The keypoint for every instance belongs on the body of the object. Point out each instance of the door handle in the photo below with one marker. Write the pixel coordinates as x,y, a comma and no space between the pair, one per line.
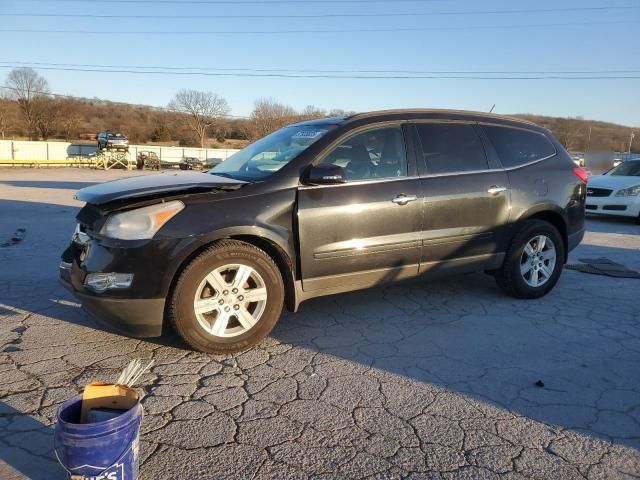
403,199
495,190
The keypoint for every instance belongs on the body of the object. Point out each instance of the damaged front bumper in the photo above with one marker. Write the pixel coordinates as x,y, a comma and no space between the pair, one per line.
129,311
139,318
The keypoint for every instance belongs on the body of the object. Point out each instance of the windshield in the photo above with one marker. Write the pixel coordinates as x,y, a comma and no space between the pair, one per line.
269,154
627,169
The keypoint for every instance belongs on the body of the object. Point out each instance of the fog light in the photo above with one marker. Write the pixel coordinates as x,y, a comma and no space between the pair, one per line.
101,282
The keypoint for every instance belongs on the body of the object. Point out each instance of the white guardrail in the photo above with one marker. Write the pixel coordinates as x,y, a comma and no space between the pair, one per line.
28,151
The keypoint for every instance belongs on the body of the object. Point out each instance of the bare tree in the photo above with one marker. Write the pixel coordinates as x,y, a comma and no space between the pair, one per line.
70,119
47,113
203,110
338,112
7,116
268,116
311,111
26,86
4,120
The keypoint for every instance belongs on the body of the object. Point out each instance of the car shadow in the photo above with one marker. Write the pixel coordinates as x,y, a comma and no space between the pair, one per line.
460,333
27,447
554,360
464,335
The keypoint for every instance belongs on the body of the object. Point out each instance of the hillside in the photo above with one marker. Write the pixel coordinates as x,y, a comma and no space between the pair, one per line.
74,119
580,135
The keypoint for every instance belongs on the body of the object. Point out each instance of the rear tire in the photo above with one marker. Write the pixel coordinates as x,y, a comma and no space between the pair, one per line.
211,308
530,271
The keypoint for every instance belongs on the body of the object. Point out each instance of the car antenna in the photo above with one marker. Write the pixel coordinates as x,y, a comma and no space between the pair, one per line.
494,106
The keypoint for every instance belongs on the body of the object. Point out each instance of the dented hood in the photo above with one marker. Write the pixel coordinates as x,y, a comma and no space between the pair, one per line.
153,185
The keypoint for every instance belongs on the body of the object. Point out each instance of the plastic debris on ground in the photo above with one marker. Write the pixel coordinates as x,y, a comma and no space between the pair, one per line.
603,266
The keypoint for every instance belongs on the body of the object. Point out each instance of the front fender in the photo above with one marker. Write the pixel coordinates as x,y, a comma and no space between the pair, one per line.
272,242
265,220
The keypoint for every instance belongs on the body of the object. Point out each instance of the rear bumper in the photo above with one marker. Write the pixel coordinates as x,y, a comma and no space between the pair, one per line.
132,317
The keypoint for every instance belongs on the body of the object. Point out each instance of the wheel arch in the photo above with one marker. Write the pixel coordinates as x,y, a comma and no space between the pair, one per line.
283,261
264,240
551,214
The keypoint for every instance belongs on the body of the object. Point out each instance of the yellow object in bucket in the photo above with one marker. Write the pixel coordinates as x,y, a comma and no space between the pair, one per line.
107,395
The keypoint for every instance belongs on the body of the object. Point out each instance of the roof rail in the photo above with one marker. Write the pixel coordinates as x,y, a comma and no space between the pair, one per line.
436,110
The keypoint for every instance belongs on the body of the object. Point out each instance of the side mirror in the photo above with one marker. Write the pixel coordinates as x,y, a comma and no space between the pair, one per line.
327,174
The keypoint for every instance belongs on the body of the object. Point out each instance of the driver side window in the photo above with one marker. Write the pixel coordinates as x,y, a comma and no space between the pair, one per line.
373,154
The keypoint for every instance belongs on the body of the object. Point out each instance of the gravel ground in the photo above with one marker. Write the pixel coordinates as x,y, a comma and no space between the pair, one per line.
413,380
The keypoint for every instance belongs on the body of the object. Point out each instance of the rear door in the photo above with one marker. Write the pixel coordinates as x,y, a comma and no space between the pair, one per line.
466,205
366,231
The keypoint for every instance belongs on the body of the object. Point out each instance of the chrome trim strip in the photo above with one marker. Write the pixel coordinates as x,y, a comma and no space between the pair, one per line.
360,182
369,250
430,241
432,175
455,174
531,163
489,170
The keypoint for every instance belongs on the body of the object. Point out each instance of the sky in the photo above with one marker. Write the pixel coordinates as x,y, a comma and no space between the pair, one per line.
417,37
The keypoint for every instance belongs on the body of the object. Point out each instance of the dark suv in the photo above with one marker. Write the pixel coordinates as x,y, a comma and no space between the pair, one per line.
324,207
112,141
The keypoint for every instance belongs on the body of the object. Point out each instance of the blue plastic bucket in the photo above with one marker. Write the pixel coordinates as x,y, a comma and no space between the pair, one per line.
105,450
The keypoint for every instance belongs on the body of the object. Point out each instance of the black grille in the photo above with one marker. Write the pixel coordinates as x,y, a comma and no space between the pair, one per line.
598,192
591,207
615,208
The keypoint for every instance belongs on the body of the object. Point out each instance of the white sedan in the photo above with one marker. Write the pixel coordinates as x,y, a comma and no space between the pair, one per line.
617,192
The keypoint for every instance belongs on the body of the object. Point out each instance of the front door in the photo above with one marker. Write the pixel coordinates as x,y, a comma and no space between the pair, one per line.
366,231
466,206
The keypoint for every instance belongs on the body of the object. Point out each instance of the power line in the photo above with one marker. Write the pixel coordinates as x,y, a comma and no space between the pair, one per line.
340,76
314,31
330,15
14,64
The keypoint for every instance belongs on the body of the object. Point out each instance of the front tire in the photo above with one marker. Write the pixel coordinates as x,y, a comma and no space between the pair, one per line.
534,261
227,299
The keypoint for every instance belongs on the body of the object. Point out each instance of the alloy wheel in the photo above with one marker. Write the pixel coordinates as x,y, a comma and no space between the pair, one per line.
538,261
230,300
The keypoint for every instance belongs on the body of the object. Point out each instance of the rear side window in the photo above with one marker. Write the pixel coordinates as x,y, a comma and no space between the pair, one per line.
451,148
517,147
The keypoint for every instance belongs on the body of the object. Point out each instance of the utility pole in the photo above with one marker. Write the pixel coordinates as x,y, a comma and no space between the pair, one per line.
633,135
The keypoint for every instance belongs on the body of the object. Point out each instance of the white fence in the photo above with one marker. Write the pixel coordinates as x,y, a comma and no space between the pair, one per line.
51,151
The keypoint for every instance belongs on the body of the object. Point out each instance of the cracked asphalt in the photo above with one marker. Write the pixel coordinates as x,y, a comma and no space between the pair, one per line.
415,380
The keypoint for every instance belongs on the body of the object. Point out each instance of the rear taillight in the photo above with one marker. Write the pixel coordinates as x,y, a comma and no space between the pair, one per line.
581,173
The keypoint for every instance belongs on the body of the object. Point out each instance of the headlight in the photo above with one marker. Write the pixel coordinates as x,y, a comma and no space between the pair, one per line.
142,223
629,192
